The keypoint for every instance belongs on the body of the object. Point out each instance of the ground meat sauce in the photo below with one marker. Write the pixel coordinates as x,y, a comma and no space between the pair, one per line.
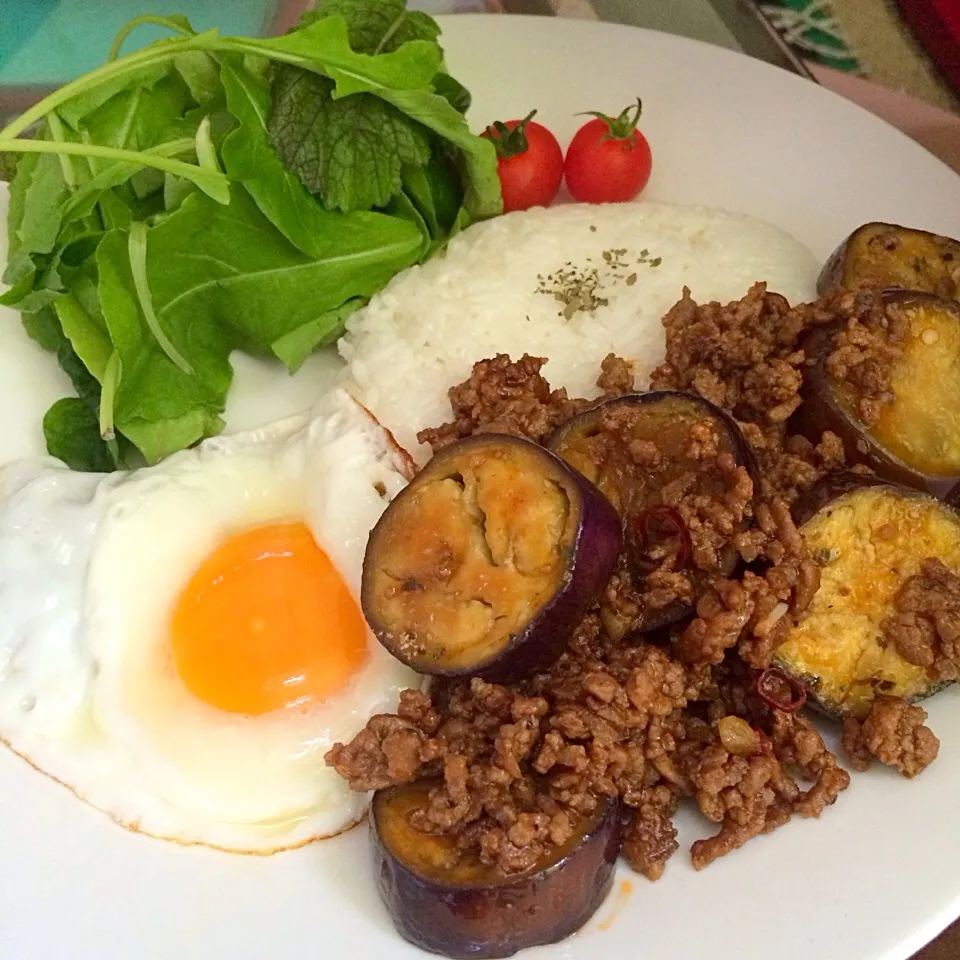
513,398
893,733
656,719
926,628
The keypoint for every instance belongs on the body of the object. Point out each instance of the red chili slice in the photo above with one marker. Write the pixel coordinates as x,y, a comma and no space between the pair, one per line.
779,691
656,525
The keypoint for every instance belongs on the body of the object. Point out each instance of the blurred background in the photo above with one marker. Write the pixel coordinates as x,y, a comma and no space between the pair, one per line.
909,46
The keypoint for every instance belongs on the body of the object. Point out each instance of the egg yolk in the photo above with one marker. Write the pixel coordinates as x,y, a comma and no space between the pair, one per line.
267,622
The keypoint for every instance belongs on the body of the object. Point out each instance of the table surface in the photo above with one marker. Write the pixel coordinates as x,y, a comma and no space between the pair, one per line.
60,39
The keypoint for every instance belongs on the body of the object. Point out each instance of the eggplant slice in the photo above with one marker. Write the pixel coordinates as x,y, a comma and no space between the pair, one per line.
487,561
914,438
888,255
869,537
450,903
606,443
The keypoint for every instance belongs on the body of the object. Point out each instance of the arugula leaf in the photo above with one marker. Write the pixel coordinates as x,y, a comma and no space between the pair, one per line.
43,327
403,208
86,385
8,166
210,181
156,405
36,194
453,91
19,276
83,201
294,347
323,47
482,197
201,74
349,151
72,432
91,97
140,116
86,334
377,26
239,269
436,191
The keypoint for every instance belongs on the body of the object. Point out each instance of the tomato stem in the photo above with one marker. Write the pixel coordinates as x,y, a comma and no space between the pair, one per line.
510,142
623,127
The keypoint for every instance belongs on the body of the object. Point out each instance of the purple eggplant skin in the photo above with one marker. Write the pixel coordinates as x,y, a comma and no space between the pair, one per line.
496,918
589,556
585,422
586,418
833,491
834,487
890,255
822,411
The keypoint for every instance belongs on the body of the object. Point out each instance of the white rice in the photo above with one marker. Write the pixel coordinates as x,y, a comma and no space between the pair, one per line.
424,332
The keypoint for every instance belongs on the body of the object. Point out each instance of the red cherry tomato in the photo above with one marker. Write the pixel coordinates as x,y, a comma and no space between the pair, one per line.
608,160
529,163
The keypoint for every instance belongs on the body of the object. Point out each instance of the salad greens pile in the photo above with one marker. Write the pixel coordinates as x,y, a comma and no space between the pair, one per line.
209,193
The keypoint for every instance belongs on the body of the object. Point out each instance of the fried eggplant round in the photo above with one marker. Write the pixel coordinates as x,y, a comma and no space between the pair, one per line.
488,560
870,539
448,902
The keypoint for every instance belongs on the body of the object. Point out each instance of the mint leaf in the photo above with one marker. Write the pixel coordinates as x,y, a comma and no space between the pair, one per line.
72,433
352,151
281,197
377,26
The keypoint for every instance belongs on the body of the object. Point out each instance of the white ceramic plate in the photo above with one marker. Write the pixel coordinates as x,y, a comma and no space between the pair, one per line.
875,879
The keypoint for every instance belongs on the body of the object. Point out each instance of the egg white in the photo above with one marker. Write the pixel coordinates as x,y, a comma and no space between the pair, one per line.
90,568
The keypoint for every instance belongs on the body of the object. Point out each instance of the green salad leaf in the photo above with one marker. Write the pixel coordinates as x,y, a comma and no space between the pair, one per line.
378,26
208,193
351,151
72,432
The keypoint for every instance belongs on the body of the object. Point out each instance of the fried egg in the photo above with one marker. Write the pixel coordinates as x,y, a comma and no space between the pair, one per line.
182,645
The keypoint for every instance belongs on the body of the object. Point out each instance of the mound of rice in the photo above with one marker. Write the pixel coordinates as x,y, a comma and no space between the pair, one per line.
571,283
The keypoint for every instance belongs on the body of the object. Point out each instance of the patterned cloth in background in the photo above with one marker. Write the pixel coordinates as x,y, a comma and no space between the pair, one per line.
811,28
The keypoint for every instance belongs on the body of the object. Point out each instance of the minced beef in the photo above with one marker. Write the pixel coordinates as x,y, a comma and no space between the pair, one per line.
503,396
746,357
646,717
894,732
926,628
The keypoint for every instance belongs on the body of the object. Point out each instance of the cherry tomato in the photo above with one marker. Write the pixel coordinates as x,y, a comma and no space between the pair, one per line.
608,160
529,163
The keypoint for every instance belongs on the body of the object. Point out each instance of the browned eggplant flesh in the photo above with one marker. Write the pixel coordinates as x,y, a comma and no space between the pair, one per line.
911,433
656,456
874,543
487,561
889,255
449,902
